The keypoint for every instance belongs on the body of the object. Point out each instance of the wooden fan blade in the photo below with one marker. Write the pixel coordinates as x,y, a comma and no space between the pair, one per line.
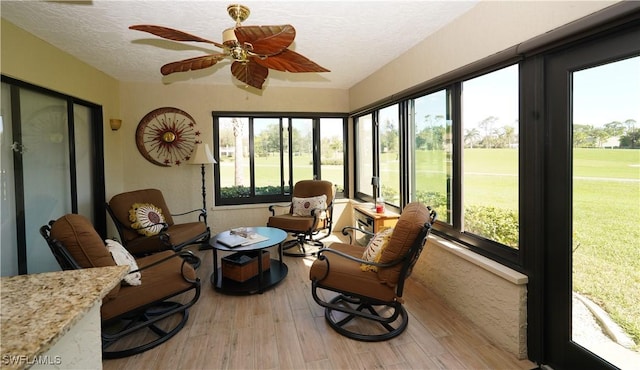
192,64
250,73
290,61
171,34
266,40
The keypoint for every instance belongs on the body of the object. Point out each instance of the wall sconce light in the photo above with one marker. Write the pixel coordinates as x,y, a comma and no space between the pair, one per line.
115,124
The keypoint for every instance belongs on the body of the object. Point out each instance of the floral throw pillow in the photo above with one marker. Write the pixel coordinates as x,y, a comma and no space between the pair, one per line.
122,257
304,206
147,219
373,251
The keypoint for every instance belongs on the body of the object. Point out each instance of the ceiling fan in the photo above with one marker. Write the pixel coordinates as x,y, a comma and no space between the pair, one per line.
253,49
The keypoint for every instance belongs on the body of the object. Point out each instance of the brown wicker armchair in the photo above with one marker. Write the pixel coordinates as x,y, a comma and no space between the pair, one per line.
368,304
304,218
128,309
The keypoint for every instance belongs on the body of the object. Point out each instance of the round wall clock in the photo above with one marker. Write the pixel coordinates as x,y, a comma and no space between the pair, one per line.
167,136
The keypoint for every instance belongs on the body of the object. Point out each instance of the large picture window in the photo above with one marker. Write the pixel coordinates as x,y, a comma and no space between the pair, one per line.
461,157
262,156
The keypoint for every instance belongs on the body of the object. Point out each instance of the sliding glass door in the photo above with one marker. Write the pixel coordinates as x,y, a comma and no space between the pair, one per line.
592,205
51,166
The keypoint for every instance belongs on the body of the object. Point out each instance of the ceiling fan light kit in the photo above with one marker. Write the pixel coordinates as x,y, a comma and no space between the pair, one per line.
253,49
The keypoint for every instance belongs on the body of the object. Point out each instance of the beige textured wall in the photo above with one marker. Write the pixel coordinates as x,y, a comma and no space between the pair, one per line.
492,296
488,28
182,185
29,59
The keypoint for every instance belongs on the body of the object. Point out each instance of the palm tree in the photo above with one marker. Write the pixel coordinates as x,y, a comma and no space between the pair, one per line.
471,136
487,126
239,158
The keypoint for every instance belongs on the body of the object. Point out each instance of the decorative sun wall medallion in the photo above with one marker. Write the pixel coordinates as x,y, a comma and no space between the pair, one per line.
167,136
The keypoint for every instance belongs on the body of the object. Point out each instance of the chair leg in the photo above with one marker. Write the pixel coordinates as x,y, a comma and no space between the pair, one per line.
113,332
304,244
360,320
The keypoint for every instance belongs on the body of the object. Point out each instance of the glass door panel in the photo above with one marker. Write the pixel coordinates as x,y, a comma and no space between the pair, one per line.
45,171
606,211
84,160
8,232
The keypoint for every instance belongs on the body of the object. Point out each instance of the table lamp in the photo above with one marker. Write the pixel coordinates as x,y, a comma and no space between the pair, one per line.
202,155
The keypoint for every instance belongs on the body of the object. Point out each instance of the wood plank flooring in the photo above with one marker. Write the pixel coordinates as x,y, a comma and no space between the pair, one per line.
283,328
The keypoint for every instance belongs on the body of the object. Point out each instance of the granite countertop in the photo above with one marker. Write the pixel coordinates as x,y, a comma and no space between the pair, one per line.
38,309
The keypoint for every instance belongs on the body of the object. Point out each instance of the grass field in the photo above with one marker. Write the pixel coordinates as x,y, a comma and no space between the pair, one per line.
606,208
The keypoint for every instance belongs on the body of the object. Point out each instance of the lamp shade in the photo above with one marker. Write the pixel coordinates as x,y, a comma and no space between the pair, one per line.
202,155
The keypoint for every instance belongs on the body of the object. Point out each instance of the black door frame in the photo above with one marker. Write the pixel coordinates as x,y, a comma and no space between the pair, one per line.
97,148
559,350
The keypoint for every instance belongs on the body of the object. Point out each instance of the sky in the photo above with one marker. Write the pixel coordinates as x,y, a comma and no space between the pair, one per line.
607,93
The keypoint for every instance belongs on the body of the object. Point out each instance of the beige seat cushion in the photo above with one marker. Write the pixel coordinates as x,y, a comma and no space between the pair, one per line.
347,276
405,232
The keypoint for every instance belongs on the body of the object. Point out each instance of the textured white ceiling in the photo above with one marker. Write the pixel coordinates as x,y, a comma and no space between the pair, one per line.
351,38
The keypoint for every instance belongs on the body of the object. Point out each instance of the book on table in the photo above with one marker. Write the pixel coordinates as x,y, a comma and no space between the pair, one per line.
235,240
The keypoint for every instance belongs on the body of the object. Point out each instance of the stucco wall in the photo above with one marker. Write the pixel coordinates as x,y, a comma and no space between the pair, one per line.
486,29
29,59
491,295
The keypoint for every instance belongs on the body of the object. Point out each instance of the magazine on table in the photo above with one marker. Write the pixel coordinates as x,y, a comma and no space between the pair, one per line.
239,239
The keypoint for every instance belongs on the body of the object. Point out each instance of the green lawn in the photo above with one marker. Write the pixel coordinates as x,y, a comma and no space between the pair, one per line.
606,212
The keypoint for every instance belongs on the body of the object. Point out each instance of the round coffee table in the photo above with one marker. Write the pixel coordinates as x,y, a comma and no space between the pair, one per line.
277,269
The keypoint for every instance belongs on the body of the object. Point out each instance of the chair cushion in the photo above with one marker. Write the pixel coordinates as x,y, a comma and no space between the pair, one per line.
289,222
82,241
178,235
158,282
123,258
146,219
312,188
345,275
304,206
77,235
373,251
120,205
405,232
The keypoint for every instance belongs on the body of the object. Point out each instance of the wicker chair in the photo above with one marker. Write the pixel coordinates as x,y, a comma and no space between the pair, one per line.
129,309
368,304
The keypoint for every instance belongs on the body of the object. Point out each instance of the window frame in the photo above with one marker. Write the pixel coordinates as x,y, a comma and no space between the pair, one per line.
286,177
503,254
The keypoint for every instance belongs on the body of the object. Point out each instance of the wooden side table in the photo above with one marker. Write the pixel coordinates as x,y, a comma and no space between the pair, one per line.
366,218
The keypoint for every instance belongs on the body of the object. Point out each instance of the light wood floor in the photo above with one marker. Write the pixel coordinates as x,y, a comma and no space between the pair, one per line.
284,328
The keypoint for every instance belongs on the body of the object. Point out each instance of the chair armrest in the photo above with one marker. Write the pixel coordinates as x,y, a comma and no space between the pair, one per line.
345,231
163,260
322,257
201,215
352,258
272,208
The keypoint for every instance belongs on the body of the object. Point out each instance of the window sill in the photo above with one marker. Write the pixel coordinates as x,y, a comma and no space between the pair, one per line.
487,264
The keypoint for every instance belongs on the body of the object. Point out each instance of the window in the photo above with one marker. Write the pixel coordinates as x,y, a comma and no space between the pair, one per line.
364,156
490,156
262,156
461,157
431,153
332,151
389,154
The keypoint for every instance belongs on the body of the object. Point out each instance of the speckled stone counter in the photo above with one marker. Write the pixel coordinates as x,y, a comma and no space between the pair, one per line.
37,310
